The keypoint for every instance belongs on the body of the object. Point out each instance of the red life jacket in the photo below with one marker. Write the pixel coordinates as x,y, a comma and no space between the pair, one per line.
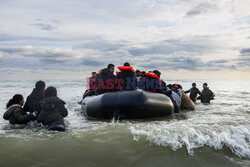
153,75
126,68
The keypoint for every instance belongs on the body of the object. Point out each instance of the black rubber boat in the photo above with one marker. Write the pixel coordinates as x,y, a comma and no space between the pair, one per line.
133,104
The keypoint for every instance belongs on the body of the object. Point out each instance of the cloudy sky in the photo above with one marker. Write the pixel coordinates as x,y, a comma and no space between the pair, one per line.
71,38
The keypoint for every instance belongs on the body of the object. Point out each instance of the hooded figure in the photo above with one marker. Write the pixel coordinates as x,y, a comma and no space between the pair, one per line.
33,100
52,110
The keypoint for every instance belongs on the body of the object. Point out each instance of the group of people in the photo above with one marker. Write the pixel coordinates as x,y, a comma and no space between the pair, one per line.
128,79
42,105
205,96
45,107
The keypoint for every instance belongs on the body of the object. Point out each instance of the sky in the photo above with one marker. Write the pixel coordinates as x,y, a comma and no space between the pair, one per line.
68,39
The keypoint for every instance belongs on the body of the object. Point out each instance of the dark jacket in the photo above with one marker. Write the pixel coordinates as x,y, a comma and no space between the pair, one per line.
33,100
156,85
193,93
16,115
206,95
52,110
127,75
105,74
164,85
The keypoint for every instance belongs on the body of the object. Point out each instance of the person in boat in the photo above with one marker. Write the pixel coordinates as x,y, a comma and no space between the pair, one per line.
143,74
151,82
206,94
164,89
32,103
127,77
103,77
138,73
91,86
176,96
93,77
53,110
15,113
194,91
163,83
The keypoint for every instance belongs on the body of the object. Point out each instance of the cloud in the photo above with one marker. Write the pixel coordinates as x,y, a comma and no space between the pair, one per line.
193,35
45,27
172,46
22,39
98,52
52,60
202,8
245,51
243,60
30,57
92,63
187,63
1,55
101,44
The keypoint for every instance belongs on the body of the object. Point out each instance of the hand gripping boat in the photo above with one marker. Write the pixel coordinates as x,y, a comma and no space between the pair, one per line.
134,104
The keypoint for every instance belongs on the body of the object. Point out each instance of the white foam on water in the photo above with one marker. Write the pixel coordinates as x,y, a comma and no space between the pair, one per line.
177,135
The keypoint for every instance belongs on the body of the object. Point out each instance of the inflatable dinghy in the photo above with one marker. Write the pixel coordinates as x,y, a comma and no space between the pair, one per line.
134,104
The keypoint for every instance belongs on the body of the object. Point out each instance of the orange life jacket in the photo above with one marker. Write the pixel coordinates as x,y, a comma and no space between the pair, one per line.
126,68
153,75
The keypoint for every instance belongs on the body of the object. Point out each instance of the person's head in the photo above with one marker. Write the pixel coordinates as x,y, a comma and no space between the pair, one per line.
40,85
126,64
205,85
175,87
194,84
158,73
138,73
111,67
16,99
143,73
94,74
169,86
50,91
179,86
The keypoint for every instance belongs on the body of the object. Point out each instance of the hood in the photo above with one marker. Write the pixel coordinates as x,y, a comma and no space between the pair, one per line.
52,100
37,91
10,110
49,103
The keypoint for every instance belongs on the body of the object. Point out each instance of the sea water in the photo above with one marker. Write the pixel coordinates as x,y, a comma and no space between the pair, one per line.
213,135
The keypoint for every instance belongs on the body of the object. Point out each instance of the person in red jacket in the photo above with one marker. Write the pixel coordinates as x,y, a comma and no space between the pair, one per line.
127,77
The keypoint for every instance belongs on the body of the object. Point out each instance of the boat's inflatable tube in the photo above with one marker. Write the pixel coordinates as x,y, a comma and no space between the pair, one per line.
132,104
186,102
